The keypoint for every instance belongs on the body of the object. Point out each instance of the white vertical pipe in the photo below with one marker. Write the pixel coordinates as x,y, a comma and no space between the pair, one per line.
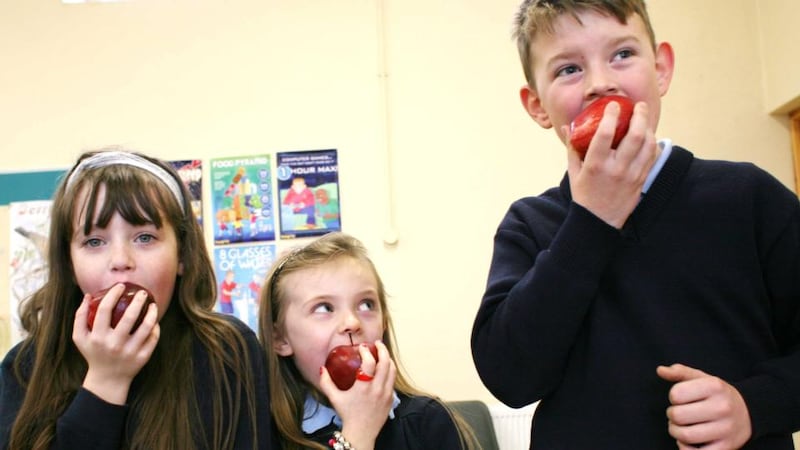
390,233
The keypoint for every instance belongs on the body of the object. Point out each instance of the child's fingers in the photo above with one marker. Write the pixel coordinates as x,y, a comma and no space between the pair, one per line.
640,141
146,328
368,363
132,312
600,145
631,144
574,161
326,384
385,370
102,318
146,350
679,372
80,326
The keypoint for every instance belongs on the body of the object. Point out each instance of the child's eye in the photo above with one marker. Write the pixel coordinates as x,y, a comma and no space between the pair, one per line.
567,70
145,238
367,305
93,242
323,308
623,54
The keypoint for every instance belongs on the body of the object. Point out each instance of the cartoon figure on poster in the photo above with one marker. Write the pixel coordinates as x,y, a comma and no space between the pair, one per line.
227,289
326,209
308,192
301,201
191,172
242,200
240,271
255,286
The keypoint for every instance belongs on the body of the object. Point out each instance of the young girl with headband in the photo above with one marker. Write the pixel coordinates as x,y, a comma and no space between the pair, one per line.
186,378
321,296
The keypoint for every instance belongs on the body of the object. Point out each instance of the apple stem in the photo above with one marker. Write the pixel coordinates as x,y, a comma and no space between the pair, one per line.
351,338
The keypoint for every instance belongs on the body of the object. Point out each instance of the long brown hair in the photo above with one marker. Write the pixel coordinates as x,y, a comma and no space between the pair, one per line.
165,412
288,388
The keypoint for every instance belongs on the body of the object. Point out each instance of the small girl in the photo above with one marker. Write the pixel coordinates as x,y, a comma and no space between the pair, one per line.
321,296
186,378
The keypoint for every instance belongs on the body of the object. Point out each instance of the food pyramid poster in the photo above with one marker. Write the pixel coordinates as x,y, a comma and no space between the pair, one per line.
241,189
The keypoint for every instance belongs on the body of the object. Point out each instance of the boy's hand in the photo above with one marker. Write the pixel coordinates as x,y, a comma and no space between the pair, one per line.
705,410
609,182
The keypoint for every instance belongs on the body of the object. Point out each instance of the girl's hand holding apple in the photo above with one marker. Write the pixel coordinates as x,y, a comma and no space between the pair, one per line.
115,350
365,406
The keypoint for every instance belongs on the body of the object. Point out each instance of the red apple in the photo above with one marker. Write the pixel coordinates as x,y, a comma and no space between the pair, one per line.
122,304
343,362
584,126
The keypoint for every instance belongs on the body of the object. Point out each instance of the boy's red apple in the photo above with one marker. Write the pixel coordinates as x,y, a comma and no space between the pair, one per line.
122,304
584,126
343,362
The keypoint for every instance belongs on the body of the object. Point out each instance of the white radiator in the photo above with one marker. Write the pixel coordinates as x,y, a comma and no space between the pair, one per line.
512,426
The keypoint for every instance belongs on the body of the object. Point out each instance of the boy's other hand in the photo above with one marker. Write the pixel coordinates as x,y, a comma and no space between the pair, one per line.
705,410
608,182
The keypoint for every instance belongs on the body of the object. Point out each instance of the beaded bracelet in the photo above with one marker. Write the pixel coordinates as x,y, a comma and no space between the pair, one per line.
338,442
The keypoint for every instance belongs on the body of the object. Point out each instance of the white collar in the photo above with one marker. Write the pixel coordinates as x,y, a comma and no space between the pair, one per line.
666,149
317,416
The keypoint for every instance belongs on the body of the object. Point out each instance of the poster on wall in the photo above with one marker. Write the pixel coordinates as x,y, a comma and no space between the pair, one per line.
29,224
308,192
191,172
241,190
240,271
29,185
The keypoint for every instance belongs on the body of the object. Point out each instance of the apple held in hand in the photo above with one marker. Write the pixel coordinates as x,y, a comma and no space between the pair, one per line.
344,361
583,128
122,304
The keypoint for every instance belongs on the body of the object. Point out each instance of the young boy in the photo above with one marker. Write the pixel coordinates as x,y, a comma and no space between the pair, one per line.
653,298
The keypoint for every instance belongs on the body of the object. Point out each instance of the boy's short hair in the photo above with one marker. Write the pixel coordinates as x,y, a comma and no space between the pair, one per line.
538,16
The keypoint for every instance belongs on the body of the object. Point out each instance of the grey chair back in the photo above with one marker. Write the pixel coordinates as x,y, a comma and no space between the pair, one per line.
477,416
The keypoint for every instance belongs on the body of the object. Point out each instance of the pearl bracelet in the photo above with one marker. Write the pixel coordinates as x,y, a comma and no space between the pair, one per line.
338,442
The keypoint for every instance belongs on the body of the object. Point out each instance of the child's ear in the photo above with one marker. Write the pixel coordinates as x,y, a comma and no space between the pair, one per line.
180,268
665,65
533,106
281,344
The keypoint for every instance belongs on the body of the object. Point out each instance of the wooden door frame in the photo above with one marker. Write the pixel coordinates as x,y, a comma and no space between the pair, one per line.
794,119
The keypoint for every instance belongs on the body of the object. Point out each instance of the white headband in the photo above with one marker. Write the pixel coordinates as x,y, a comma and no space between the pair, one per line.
109,158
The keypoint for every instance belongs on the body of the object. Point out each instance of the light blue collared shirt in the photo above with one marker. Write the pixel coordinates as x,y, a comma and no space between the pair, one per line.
666,149
317,416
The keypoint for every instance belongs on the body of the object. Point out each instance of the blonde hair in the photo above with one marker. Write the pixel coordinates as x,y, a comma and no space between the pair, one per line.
539,16
288,388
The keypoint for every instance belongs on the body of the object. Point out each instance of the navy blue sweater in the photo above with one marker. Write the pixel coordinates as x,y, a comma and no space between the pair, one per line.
420,423
578,314
89,423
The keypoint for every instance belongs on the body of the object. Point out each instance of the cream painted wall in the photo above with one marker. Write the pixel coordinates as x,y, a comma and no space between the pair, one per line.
780,36
715,106
207,78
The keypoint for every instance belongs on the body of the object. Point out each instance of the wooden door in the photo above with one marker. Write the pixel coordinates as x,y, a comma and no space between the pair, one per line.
795,126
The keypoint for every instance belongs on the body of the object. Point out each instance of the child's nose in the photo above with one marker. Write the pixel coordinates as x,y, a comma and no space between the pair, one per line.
121,257
351,323
600,82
